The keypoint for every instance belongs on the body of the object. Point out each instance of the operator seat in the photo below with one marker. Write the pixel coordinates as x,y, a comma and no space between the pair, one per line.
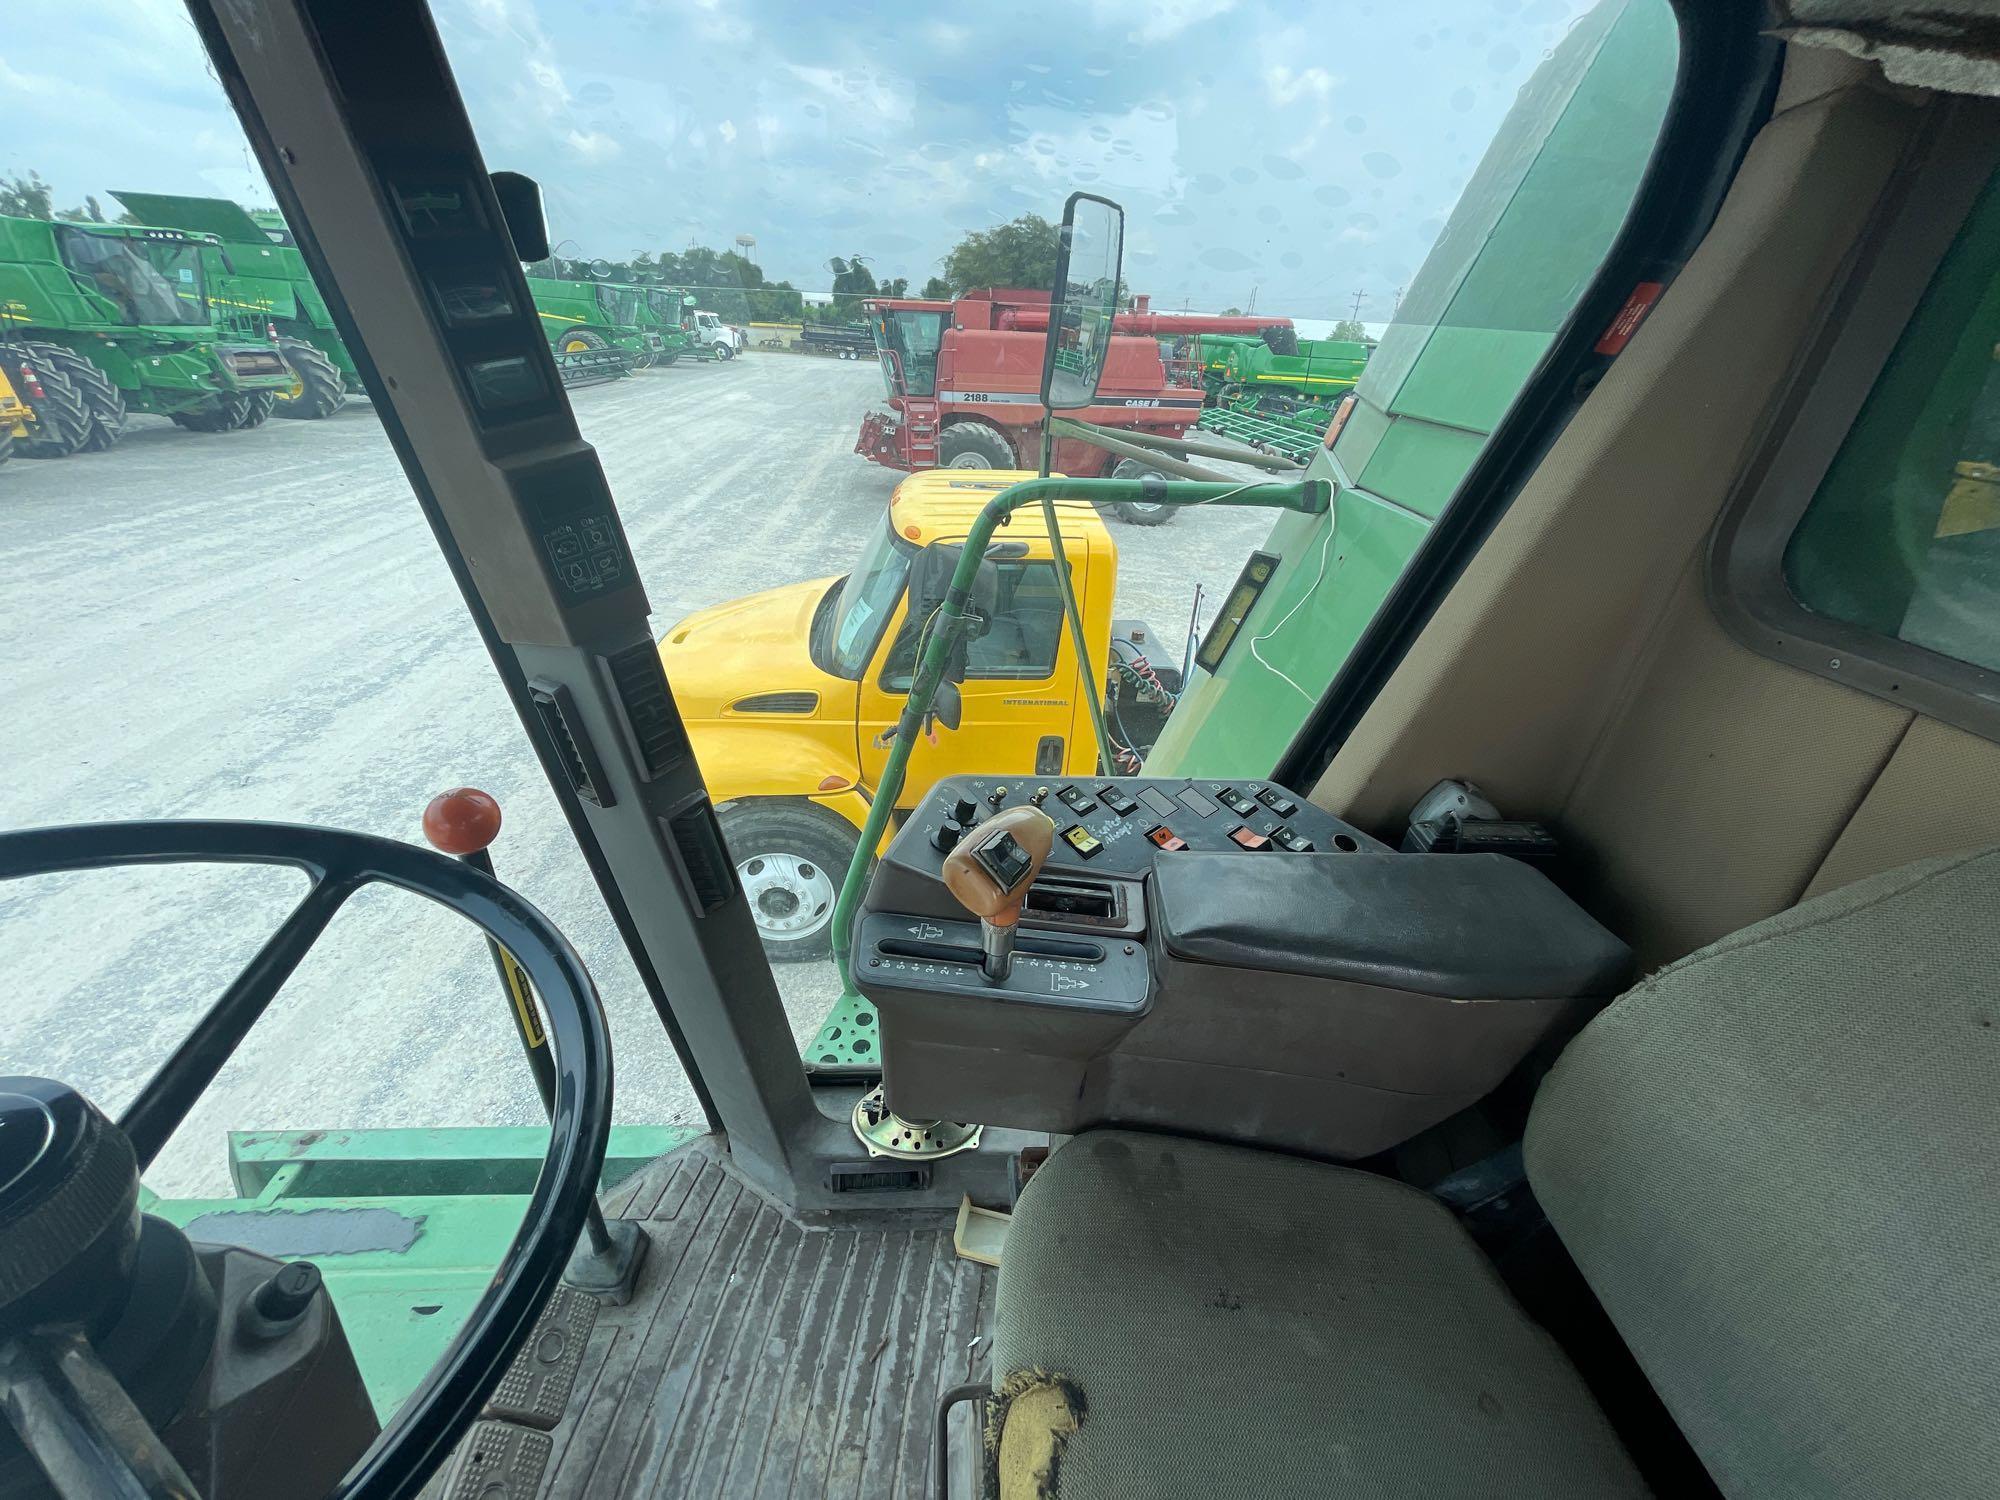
1776,1162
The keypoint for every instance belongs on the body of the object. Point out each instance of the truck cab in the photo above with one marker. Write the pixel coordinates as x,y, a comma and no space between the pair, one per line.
718,339
791,695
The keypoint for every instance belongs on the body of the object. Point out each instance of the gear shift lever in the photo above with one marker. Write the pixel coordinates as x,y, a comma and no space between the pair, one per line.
990,872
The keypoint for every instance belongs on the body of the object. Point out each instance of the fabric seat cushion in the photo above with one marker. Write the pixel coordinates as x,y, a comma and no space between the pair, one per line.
1777,1162
1242,1323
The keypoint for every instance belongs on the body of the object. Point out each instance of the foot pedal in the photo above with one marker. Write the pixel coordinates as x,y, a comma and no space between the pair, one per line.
499,1461
535,1391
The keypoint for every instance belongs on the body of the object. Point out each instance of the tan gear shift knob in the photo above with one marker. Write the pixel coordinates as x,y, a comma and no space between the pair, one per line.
993,866
990,872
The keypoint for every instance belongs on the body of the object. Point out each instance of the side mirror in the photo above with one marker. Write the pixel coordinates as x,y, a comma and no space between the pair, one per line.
1083,302
521,206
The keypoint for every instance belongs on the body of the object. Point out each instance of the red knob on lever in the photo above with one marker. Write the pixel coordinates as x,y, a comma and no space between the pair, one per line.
462,821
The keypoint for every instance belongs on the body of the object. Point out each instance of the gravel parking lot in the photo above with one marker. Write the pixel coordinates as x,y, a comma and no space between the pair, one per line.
259,625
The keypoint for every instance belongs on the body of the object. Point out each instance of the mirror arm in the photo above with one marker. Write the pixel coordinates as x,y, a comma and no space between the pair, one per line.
1312,497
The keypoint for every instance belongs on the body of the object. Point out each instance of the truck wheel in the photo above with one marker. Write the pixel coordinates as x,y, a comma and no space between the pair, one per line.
725,351
1139,512
580,341
317,389
791,857
60,425
103,402
973,445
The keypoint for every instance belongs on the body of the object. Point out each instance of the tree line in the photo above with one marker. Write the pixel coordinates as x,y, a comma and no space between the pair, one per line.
1021,252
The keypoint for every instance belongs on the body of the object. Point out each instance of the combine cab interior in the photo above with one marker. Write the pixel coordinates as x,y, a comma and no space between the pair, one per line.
1572,1069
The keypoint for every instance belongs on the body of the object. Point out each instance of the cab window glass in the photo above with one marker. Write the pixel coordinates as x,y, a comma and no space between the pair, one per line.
1903,538
1023,614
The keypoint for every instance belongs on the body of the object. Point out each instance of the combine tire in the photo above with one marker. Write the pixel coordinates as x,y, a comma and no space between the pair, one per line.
217,414
318,390
1139,512
580,341
255,409
102,400
61,423
791,856
973,445
6,446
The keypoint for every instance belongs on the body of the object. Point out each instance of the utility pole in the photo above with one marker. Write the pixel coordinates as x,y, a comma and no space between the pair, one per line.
1359,298
1253,300
1399,304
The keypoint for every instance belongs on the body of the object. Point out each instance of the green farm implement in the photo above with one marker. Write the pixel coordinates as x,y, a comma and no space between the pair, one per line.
259,286
111,318
603,329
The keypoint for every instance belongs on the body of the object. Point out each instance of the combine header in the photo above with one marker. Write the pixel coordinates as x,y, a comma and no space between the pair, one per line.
964,381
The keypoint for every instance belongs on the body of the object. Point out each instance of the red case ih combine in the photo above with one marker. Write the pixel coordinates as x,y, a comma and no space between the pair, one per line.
964,381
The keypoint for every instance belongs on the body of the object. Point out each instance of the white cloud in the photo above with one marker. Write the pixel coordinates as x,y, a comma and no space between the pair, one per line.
1160,20
593,145
1285,86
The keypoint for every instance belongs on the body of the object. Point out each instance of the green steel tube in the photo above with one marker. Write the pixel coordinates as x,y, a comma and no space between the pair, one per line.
1311,497
1066,587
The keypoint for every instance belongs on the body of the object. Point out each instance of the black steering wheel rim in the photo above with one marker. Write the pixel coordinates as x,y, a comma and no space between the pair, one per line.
419,1436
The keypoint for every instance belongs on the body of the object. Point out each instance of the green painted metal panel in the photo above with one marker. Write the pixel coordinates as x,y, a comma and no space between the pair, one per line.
217,216
444,1162
404,1273
1468,378
1326,591
1419,465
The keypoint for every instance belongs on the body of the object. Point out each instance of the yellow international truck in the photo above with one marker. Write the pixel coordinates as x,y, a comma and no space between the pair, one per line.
791,695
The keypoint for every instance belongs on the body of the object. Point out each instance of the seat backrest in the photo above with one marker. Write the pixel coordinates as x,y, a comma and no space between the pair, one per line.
1777,1163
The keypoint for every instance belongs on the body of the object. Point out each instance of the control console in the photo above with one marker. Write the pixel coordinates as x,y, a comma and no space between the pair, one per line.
1109,832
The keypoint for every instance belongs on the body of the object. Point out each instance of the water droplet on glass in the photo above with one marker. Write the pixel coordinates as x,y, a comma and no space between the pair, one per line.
1283,168
1355,124
1332,195
1463,99
1222,258
1381,164
1243,175
1270,213
1206,182
1291,260
1503,57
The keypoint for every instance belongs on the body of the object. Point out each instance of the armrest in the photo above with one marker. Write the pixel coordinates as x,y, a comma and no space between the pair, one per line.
1456,926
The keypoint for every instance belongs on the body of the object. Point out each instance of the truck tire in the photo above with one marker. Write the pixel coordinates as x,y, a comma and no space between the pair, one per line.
61,422
791,857
103,402
1138,512
580,341
321,392
973,445
725,350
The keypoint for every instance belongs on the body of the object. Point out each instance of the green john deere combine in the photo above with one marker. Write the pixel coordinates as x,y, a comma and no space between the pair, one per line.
109,318
602,327
258,282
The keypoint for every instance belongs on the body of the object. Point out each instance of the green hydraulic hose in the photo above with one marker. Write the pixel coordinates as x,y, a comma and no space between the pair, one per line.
1310,497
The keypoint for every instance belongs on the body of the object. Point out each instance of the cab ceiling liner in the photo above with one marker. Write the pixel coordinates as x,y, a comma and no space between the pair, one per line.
1951,46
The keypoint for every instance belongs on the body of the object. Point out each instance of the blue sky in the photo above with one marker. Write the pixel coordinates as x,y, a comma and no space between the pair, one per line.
1303,151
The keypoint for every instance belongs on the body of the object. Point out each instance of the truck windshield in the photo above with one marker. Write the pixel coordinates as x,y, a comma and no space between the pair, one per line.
867,598
914,336
151,281
620,305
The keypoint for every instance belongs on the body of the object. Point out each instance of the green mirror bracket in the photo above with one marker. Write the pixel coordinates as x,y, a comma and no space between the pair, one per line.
1312,497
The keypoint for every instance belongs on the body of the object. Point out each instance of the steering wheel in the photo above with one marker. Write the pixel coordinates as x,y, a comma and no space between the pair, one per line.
421,1434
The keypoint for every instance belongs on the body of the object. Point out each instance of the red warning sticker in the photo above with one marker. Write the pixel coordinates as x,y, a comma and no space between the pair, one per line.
1630,316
